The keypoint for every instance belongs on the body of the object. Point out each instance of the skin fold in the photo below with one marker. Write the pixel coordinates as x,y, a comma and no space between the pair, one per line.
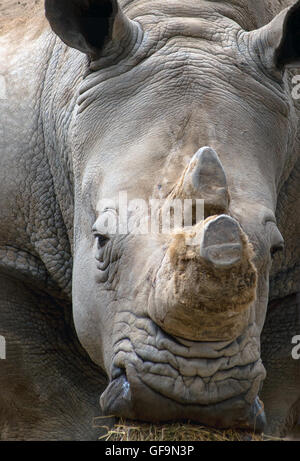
176,100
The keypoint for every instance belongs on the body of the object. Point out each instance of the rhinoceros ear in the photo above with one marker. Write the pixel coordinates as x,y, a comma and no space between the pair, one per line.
278,43
88,25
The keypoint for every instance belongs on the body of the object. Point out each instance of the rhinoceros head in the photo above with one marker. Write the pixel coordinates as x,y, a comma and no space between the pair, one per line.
177,103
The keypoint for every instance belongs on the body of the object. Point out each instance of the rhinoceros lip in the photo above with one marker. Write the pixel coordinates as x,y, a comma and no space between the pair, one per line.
130,393
117,400
116,396
128,396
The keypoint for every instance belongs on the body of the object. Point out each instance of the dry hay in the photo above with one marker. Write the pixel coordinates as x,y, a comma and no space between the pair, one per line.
134,431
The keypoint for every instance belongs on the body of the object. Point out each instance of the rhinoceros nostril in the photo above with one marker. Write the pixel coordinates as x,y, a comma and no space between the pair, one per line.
277,241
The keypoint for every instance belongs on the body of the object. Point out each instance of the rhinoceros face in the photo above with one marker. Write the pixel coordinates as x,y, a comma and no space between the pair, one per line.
177,108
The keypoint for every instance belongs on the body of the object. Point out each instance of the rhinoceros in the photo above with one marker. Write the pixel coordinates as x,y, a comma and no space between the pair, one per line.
169,100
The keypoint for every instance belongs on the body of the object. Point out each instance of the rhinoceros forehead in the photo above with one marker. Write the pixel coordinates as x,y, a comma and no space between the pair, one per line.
178,61
155,127
249,14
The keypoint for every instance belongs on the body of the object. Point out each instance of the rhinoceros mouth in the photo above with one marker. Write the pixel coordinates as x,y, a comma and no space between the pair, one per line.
117,401
145,404
156,377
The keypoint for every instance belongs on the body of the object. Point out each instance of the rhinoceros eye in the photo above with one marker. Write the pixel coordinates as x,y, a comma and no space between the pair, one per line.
101,240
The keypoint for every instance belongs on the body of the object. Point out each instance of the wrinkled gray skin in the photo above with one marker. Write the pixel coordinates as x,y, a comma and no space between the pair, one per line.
128,113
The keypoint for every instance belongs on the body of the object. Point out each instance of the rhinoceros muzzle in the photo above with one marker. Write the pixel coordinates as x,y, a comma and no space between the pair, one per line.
149,391
195,353
117,400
